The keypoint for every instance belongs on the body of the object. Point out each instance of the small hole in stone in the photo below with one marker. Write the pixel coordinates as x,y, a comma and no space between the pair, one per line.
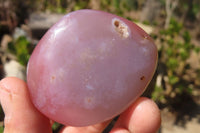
142,78
89,100
53,77
116,23
121,28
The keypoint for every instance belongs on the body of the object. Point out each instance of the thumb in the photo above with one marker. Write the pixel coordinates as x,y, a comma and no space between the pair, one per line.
20,114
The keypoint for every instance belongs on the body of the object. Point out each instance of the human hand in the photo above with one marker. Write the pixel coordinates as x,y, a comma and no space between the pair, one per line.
143,116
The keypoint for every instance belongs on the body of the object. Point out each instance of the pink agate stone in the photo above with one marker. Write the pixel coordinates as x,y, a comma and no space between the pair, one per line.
89,67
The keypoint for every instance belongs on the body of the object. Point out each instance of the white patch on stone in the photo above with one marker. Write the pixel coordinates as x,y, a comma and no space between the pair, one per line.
145,51
120,27
57,31
89,87
60,27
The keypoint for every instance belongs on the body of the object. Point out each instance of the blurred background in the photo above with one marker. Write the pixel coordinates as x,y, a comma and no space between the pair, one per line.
173,24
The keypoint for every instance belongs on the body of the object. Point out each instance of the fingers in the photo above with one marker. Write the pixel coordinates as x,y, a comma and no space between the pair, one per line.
98,128
20,114
142,117
22,117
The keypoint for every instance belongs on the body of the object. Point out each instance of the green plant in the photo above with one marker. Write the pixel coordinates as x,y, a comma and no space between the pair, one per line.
175,50
56,126
81,4
157,94
21,48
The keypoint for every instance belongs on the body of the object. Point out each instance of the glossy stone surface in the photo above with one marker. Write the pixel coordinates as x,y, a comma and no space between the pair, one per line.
89,67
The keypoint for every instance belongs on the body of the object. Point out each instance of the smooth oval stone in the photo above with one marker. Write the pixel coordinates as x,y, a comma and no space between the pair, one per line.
89,67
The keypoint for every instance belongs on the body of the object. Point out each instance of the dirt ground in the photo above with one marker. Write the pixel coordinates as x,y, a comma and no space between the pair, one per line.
183,118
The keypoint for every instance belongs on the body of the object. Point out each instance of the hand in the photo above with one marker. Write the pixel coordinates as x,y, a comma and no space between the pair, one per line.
143,116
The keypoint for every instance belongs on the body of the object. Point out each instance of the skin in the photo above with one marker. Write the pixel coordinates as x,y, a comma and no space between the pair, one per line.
143,116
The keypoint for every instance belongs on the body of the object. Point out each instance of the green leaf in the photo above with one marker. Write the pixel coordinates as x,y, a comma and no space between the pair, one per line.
183,53
189,90
21,47
117,4
170,41
186,37
146,22
197,49
157,94
173,79
174,27
1,129
169,51
11,47
172,63
55,125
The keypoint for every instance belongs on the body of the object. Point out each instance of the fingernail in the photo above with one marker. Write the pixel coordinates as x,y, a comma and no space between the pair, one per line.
6,101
